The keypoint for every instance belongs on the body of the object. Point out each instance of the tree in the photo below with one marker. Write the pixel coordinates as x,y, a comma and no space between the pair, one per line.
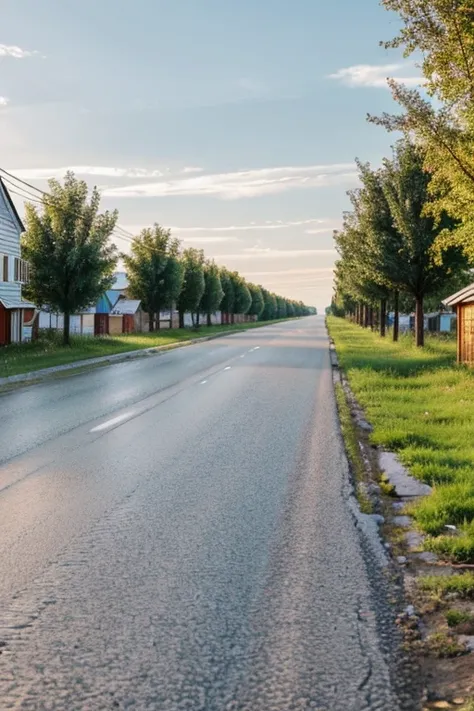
257,305
270,306
213,291
242,296
442,32
193,285
155,273
417,266
67,244
281,307
227,303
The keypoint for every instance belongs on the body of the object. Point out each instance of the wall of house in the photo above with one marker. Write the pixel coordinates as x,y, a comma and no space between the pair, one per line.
10,246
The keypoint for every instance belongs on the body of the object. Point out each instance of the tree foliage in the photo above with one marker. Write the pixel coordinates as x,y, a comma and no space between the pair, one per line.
154,270
442,31
242,295
257,305
213,291
67,244
193,285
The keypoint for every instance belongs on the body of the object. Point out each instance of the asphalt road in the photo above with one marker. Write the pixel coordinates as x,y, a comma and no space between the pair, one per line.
179,533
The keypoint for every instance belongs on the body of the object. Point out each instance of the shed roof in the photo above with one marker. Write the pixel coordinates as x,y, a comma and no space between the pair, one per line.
125,307
464,296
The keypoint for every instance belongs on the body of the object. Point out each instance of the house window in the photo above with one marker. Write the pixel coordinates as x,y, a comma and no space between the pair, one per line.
5,267
22,270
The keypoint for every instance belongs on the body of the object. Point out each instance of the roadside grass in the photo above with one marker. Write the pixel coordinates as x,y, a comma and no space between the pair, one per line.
460,585
48,350
421,405
351,442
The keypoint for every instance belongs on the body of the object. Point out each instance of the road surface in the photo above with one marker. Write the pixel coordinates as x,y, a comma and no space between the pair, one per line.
178,533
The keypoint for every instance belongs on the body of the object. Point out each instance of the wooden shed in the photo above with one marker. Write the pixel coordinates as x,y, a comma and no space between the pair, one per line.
463,303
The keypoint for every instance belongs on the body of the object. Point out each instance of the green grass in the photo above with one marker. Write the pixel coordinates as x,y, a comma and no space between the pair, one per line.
351,442
421,405
458,617
461,585
48,351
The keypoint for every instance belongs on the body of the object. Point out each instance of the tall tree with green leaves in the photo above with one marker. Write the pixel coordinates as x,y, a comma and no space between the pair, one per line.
67,243
270,305
257,305
154,271
213,291
227,303
442,32
417,265
193,285
242,295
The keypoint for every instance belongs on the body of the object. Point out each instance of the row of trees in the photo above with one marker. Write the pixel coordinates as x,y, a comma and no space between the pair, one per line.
409,237
160,275
72,258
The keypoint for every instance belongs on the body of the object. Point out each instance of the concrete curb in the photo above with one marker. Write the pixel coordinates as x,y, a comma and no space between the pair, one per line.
113,358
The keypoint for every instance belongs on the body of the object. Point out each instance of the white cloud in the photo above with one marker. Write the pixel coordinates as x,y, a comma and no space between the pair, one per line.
92,170
268,225
293,272
11,50
374,75
4,101
192,169
241,184
269,253
215,239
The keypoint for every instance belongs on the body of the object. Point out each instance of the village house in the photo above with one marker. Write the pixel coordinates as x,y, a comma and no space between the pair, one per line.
17,316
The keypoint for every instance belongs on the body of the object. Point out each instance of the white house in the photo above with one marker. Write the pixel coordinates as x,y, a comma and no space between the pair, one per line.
16,315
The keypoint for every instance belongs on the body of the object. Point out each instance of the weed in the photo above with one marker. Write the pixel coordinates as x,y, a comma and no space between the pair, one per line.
443,645
461,585
458,617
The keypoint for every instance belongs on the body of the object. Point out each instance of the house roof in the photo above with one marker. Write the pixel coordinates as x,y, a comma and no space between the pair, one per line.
121,281
125,307
463,296
16,303
11,205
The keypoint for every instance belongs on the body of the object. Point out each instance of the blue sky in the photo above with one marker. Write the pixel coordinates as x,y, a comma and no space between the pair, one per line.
234,123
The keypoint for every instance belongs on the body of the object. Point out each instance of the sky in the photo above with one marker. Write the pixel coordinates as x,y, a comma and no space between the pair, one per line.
233,122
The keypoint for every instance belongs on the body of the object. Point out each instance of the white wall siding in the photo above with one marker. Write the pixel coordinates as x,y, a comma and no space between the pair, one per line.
10,246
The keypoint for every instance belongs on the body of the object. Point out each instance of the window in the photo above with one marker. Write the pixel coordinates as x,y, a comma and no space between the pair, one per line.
22,271
5,267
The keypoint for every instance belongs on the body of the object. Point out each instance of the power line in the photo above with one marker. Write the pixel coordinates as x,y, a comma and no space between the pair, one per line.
118,231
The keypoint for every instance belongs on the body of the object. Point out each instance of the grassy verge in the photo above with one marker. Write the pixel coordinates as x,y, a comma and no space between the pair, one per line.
421,405
349,434
48,351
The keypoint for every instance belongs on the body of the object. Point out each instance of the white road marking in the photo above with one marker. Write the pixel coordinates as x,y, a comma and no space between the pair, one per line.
257,348
243,356
228,367
203,382
112,422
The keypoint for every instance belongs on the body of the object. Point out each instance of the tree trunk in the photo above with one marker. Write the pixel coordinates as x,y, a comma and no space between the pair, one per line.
232,318
197,319
181,319
366,316
151,321
371,318
419,322
67,329
383,317
396,315
158,314
209,320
